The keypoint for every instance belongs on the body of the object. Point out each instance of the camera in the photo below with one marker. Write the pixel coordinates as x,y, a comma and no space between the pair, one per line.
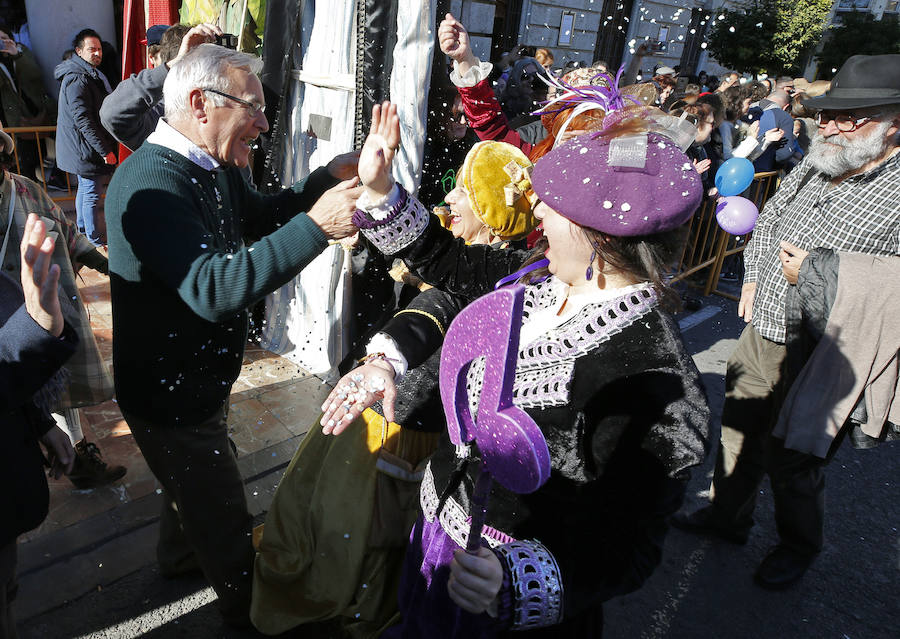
227,40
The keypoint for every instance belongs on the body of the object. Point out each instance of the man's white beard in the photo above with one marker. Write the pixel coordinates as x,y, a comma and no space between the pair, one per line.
838,156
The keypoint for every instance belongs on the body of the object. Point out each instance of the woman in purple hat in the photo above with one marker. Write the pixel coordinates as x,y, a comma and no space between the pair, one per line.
601,369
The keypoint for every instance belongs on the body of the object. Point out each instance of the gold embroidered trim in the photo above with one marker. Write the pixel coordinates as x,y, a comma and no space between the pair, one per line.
428,315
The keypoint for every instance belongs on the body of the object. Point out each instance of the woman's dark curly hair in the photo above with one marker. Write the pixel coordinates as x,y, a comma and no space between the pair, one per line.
734,97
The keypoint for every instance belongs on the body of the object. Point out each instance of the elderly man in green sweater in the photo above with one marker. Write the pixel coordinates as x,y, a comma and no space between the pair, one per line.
191,247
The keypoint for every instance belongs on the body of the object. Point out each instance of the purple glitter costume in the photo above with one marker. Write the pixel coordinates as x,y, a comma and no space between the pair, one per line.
622,410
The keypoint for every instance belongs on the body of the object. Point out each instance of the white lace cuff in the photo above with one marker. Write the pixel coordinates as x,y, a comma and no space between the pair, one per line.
384,343
379,210
475,74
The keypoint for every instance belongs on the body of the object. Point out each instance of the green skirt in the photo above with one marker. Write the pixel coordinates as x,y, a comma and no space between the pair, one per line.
335,535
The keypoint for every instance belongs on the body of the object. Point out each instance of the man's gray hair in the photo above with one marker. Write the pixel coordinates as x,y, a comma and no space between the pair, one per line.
889,113
781,98
203,67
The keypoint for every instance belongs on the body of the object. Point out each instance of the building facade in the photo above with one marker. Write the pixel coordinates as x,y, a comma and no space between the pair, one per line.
878,9
591,30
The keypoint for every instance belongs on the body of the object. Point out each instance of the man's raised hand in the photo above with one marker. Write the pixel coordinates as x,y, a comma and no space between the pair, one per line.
199,34
40,277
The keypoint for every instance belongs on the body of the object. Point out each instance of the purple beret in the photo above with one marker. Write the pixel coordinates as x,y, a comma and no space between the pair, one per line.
630,185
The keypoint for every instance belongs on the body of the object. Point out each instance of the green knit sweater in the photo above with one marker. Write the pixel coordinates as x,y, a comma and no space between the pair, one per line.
189,251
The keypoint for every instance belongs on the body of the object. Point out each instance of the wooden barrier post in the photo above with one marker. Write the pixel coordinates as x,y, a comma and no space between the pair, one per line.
39,132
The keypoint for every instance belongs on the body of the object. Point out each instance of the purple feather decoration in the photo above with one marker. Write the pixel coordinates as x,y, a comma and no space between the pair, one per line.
607,98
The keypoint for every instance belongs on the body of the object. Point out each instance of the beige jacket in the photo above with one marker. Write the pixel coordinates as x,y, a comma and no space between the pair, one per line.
857,356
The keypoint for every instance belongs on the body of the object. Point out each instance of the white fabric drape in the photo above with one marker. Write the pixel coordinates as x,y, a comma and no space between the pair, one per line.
306,318
410,79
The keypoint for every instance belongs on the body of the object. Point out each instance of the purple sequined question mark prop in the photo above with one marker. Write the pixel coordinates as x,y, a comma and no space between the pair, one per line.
513,449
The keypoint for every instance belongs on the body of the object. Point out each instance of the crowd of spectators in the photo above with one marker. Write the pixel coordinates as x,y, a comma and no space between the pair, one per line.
611,402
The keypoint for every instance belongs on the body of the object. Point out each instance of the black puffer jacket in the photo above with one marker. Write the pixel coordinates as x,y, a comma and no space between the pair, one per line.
81,141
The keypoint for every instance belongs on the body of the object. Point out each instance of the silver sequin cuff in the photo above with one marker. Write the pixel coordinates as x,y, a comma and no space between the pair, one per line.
536,584
402,227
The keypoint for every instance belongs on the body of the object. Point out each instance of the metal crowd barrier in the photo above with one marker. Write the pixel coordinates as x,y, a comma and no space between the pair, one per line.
708,245
37,134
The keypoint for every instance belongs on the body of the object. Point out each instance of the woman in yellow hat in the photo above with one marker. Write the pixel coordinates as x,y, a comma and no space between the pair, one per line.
492,201
334,537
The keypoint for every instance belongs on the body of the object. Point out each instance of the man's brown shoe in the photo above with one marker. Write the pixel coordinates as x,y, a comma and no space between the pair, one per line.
89,470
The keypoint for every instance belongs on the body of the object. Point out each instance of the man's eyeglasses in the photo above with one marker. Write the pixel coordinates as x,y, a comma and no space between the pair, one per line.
845,122
253,107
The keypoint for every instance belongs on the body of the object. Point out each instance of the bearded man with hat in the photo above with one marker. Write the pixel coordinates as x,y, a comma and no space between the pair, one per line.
843,196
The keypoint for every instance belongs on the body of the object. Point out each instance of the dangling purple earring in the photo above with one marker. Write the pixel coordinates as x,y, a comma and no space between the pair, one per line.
589,273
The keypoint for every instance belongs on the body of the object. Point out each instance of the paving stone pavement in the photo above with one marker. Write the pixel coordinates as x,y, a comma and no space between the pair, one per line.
95,576
272,406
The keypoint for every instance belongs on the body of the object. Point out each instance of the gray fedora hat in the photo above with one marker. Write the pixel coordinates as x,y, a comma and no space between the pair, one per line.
863,81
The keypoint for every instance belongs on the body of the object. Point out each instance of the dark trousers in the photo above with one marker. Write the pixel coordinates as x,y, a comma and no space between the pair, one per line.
754,393
204,520
7,590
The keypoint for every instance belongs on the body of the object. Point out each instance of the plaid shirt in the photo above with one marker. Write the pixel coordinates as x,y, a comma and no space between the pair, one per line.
859,215
89,381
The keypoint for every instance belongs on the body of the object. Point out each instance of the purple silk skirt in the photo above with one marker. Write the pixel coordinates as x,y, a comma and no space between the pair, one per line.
425,606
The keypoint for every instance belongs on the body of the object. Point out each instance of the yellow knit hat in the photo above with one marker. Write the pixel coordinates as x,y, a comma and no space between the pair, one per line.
496,177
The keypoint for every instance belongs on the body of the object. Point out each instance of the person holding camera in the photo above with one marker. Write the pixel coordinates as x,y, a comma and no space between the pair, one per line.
131,112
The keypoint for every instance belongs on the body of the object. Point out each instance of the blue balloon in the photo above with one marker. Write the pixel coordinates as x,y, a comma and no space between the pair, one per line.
734,176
